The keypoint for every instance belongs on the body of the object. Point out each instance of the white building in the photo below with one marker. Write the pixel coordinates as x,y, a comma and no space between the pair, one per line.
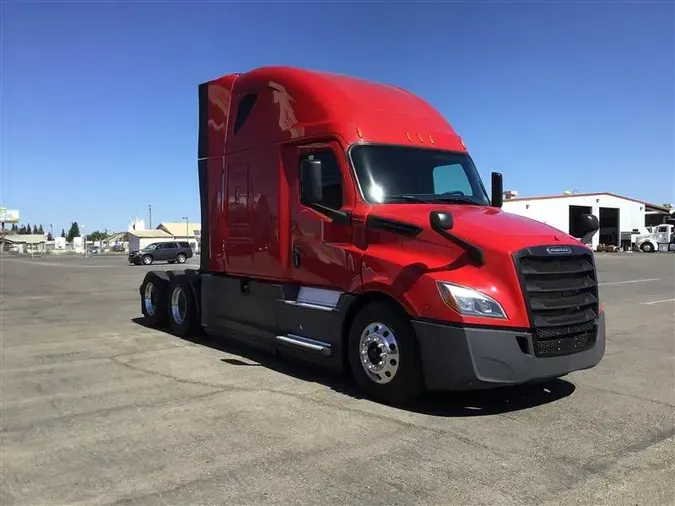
616,214
139,239
25,243
182,231
136,224
166,232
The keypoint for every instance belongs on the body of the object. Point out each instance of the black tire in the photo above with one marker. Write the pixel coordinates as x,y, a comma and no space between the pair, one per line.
181,258
407,382
154,300
647,247
147,260
182,308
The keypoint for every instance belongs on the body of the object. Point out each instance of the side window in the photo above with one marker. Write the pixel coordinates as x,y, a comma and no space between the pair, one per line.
243,110
451,178
331,178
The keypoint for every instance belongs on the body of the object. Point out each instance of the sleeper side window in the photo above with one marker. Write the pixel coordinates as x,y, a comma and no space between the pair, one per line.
331,178
244,110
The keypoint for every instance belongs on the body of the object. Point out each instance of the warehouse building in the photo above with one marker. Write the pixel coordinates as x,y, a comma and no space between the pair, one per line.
619,216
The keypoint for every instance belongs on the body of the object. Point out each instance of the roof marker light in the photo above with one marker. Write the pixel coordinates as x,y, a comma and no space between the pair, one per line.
420,138
462,142
431,139
407,134
359,132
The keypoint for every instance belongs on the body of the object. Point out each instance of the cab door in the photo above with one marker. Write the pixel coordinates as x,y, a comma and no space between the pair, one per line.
238,243
319,247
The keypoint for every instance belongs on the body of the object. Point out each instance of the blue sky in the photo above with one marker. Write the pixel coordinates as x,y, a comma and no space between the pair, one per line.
99,99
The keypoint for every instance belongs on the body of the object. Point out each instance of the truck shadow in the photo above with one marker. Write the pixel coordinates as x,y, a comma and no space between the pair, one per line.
443,404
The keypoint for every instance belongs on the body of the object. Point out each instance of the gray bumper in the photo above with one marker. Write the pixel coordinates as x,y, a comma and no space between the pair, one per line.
461,358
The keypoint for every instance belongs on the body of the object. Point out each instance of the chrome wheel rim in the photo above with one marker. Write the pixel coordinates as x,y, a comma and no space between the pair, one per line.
150,299
178,305
181,259
146,260
379,354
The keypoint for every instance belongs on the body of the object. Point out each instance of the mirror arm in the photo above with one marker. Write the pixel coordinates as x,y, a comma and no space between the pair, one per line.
474,253
337,216
586,238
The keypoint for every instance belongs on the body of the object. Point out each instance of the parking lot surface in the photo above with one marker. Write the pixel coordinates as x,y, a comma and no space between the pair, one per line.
97,409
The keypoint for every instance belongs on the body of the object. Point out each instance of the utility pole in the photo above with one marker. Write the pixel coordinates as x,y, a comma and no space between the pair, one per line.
187,232
150,216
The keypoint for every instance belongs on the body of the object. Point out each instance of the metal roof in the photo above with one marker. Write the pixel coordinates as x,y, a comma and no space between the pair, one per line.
150,234
26,238
593,194
178,228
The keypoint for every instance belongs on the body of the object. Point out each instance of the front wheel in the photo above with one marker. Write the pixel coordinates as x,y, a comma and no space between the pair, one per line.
647,247
147,260
383,354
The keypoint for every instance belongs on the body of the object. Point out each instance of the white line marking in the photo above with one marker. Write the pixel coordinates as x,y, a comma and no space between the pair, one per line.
627,282
657,301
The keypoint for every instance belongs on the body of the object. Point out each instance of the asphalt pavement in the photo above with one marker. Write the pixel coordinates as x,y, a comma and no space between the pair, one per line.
95,408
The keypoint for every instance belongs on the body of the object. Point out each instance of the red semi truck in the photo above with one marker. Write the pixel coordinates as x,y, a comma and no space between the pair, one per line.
344,223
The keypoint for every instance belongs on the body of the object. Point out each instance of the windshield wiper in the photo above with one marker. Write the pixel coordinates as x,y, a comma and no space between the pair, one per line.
457,198
409,198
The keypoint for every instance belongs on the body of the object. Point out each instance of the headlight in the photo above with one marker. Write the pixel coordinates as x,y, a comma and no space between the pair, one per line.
470,302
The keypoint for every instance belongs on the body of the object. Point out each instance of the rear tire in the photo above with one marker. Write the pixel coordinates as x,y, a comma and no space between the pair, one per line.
154,290
180,258
384,356
182,310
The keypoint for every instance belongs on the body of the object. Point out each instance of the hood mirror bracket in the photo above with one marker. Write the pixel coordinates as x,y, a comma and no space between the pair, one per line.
441,222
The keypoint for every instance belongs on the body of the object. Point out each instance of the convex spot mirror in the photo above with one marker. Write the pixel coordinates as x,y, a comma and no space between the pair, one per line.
589,223
440,220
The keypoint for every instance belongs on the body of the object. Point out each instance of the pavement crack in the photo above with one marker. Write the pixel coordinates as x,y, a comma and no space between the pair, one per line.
630,396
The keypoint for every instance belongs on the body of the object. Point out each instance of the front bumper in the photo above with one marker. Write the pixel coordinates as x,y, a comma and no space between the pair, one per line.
461,358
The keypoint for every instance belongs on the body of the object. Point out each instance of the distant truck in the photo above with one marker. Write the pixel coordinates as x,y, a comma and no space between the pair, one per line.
344,222
656,237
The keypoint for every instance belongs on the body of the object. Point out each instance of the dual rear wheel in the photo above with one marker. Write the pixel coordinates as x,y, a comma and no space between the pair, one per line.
168,300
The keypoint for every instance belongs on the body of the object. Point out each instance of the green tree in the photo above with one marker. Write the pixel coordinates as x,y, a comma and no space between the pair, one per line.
28,229
49,236
35,230
97,235
73,232
15,228
41,230
63,233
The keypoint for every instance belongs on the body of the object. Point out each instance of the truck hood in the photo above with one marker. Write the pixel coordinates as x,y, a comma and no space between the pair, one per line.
486,227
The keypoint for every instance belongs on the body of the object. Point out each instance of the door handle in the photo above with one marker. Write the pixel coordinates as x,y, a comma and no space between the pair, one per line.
297,253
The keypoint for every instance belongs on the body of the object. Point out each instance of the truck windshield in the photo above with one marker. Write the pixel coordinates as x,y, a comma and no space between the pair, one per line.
402,174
